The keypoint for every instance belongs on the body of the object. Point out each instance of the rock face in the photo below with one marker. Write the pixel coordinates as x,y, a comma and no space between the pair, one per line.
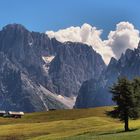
74,64
25,49
18,92
35,70
98,94
21,72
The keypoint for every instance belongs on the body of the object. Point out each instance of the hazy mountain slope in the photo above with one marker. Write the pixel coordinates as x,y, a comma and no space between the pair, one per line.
98,94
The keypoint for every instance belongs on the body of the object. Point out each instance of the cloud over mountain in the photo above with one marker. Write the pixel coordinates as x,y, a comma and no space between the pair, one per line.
125,36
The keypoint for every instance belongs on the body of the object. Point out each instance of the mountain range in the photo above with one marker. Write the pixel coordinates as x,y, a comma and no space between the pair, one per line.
97,91
38,73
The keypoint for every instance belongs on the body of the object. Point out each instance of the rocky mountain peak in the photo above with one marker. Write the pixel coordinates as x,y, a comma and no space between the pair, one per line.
42,64
113,61
139,45
14,27
73,64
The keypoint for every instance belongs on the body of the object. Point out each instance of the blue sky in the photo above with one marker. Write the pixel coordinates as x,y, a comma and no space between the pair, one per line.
42,15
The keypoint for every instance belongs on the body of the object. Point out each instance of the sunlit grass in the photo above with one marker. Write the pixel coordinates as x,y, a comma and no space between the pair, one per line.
79,124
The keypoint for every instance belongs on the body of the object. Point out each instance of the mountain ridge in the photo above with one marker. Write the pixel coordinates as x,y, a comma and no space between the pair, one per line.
44,63
127,66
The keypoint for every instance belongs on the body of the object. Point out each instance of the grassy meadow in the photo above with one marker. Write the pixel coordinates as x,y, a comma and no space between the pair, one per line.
76,124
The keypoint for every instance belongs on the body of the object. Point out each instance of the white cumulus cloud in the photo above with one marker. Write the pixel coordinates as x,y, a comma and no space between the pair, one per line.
125,36
85,34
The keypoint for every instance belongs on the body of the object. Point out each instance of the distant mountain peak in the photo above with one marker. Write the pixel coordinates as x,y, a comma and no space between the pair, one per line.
113,61
98,95
139,45
14,26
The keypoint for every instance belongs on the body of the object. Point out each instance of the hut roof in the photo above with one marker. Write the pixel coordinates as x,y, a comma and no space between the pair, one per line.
16,113
2,111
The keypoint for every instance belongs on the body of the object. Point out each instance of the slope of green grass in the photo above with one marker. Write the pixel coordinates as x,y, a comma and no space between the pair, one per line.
76,124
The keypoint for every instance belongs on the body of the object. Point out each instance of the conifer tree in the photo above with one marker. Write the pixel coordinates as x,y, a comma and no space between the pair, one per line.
126,95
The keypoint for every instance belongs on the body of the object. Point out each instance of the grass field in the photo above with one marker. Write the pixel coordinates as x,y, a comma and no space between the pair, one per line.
77,124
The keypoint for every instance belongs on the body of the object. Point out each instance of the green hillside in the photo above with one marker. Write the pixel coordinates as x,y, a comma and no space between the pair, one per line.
76,124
